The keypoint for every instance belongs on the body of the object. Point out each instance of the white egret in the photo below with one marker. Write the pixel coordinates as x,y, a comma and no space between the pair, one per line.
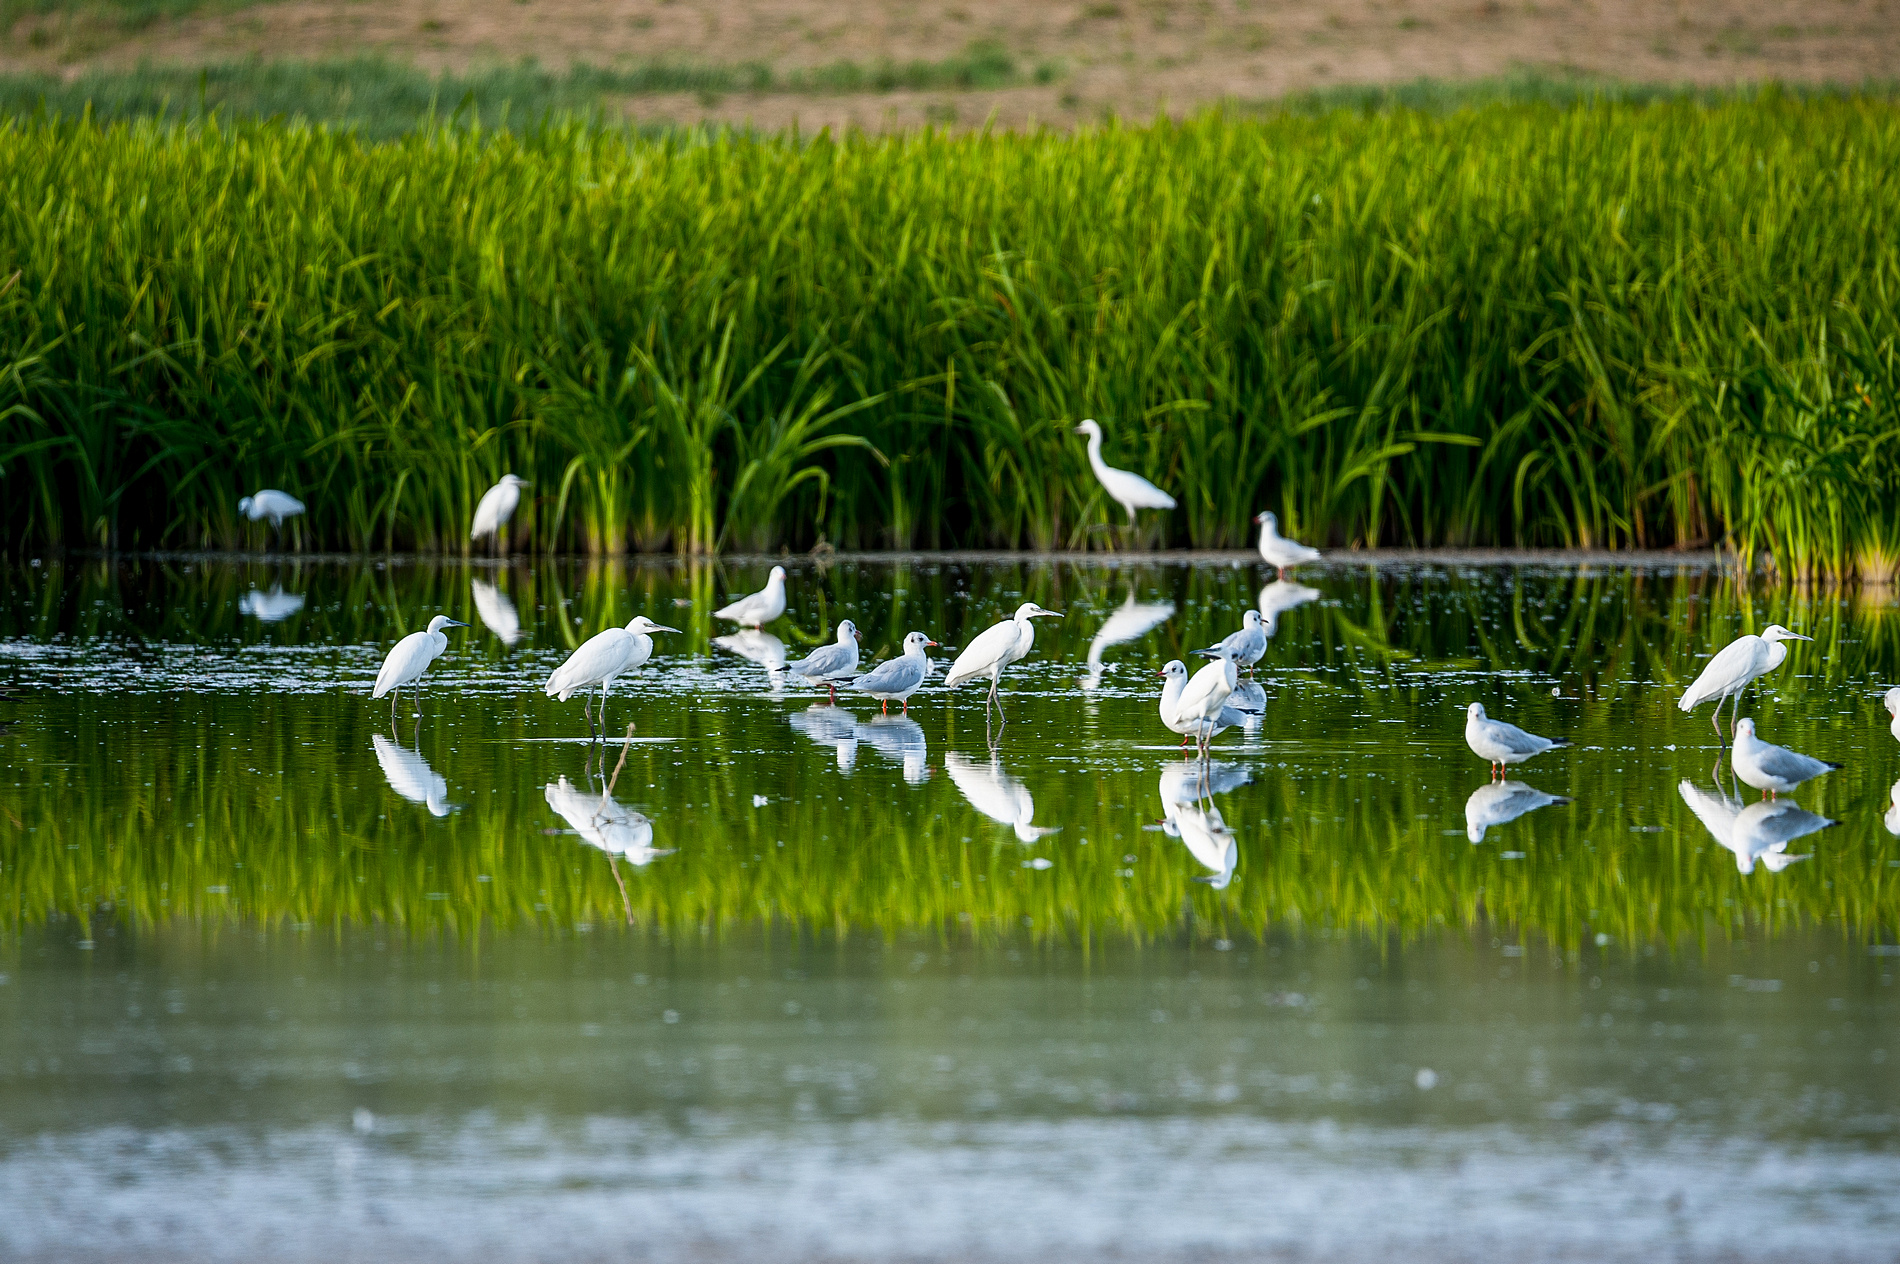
1230,716
410,776
270,607
496,611
1248,644
900,739
1278,597
600,659
997,795
1278,551
1501,743
827,725
496,506
1892,702
896,679
1501,802
1759,832
830,665
1769,768
759,608
1126,488
1129,621
410,657
995,648
1740,661
1205,695
272,504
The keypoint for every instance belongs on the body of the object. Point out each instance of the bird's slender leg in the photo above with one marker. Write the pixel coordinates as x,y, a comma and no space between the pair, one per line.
393,695
884,707
1716,719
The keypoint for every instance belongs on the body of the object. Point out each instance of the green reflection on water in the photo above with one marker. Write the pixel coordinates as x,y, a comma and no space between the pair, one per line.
175,759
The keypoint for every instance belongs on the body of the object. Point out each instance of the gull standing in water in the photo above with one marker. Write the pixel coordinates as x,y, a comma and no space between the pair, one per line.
896,679
1248,644
599,660
996,648
1741,661
1126,488
1501,743
1279,551
829,665
410,657
1229,717
759,608
1205,695
1500,803
496,506
410,776
1769,768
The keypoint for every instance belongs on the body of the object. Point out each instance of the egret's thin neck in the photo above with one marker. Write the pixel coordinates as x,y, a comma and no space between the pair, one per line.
1095,453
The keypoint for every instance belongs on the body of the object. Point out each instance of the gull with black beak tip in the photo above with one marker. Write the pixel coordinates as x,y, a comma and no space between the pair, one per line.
995,648
831,665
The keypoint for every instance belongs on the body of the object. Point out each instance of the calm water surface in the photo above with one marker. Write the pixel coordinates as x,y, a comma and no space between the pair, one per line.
279,982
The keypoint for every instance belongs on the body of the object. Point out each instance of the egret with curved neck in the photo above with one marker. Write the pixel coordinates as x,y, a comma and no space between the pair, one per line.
1128,489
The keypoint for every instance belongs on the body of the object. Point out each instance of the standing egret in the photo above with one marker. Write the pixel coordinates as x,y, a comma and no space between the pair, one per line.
1892,701
759,608
600,658
896,679
829,664
1769,768
1230,716
1729,672
1205,695
1128,489
1501,743
995,648
1248,644
409,659
496,506
272,504
1277,550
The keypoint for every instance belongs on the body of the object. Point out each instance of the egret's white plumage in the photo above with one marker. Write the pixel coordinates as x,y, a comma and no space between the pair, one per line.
601,822
600,659
496,506
1248,644
1205,695
829,665
759,608
272,504
1500,743
1769,768
1501,802
270,607
1127,622
411,657
1278,551
496,611
1230,716
410,776
1129,490
996,795
1740,661
995,648
896,679
1760,832
898,738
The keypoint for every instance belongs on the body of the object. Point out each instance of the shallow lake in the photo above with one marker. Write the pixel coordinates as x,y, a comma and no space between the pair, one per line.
810,983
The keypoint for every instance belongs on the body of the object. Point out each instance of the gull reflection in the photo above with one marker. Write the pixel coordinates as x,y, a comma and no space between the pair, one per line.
996,795
759,647
1280,596
1250,700
901,740
1187,790
829,725
1759,832
599,821
410,776
1501,802
270,607
496,611
1130,621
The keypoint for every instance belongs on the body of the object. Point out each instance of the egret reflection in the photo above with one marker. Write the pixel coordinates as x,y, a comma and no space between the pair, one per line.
1130,621
410,776
997,795
496,612
1279,597
1759,832
1500,803
830,725
270,607
598,820
900,740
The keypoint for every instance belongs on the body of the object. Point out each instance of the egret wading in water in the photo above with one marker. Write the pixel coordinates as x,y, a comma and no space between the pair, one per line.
1230,716
1205,696
496,506
1248,644
599,660
1771,769
831,665
1501,743
759,608
1741,661
1126,488
994,649
409,659
896,679
1277,550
